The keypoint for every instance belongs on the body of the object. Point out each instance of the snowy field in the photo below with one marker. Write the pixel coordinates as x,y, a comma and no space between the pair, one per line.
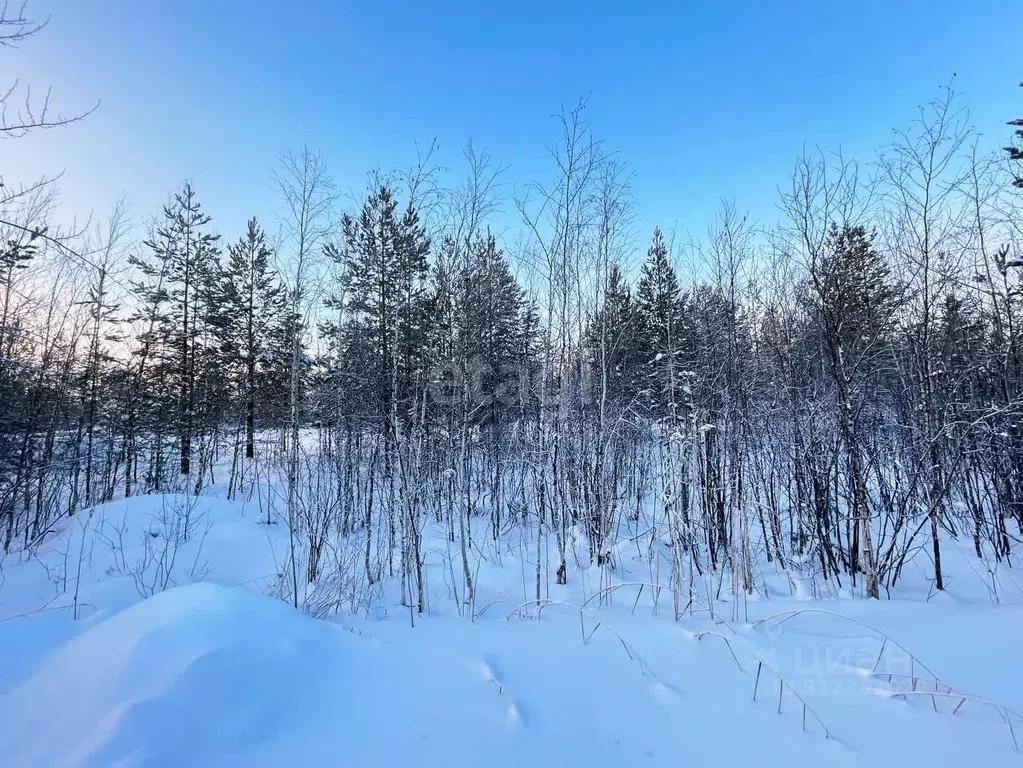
121,652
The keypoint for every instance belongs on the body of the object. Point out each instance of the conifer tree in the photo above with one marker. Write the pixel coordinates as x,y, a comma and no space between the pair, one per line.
184,263
98,371
855,298
660,305
386,301
1015,152
491,306
613,346
256,311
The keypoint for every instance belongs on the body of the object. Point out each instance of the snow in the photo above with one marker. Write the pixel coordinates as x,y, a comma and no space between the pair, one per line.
213,671
191,674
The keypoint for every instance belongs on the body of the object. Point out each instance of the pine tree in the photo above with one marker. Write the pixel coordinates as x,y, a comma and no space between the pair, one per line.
442,340
147,396
97,374
184,258
386,301
255,321
1016,152
15,255
413,309
660,305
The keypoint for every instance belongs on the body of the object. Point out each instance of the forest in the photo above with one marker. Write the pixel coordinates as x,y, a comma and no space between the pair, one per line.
836,393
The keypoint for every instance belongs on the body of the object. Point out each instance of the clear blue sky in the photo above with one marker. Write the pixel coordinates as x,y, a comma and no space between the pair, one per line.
705,99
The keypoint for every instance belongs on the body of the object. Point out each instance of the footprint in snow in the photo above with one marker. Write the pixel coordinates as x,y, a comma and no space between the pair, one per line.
665,692
490,670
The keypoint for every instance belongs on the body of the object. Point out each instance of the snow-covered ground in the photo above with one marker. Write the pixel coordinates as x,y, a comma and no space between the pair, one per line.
120,650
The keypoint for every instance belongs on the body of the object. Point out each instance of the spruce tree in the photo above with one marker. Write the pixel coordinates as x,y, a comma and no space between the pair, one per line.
613,344
491,313
855,298
479,328
857,293
660,305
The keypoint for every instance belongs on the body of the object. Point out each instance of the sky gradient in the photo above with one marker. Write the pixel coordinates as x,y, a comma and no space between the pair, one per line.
707,100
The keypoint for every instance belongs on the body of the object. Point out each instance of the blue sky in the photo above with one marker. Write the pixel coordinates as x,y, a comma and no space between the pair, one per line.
705,99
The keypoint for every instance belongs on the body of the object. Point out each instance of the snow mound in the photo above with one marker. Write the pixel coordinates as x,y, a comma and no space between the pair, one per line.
189,676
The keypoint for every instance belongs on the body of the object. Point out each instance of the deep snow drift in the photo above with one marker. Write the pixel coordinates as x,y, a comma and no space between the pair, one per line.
218,674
